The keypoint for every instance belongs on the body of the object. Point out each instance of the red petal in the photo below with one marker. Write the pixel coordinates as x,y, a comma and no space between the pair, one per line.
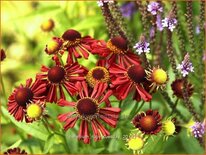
144,95
63,103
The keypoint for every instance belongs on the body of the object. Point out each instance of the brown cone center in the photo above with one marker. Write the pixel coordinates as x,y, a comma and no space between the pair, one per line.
148,123
71,35
136,73
119,42
23,96
98,74
86,106
56,74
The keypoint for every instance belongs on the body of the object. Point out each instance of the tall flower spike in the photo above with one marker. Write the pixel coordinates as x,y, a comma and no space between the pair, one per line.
198,129
154,8
159,22
100,3
128,9
186,66
142,46
169,22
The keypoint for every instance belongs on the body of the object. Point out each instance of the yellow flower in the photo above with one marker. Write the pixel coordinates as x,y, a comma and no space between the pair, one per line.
135,142
158,78
168,128
34,110
48,25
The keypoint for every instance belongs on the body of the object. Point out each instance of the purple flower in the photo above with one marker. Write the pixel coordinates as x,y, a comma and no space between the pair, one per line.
154,7
142,46
159,22
128,9
197,29
152,32
186,66
101,2
204,57
198,129
169,22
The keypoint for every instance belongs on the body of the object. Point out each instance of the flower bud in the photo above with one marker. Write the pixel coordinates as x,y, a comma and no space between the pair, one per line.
53,46
47,26
3,55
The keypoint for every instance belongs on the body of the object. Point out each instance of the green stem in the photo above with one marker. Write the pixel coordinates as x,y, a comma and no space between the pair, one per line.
175,105
3,88
140,107
45,123
150,104
60,59
120,103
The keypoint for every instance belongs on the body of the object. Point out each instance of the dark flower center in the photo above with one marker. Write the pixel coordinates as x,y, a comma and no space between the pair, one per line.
119,42
148,123
98,74
56,74
23,96
136,73
177,87
71,35
86,106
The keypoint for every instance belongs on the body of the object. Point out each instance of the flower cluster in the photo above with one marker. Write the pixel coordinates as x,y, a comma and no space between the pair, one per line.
186,66
154,8
169,22
142,46
198,129
118,72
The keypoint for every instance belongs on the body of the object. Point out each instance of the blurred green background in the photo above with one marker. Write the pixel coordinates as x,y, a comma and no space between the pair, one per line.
24,43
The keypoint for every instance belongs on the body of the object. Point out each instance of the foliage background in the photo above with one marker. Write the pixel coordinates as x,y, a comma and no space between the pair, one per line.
24,43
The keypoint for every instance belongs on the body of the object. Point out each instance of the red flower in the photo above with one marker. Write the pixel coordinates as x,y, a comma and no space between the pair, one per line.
24,95
76,45
59,77
115,51
128,80
54,46
99,73
149,122
89,111
15,151
2,55
177,87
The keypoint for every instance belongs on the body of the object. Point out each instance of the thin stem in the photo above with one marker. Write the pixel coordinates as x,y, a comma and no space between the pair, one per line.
3,88
175,105
120,103
140,107
150,104
46,125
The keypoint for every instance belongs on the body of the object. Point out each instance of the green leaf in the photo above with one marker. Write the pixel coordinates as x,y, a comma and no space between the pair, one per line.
33,129
49,143
155,145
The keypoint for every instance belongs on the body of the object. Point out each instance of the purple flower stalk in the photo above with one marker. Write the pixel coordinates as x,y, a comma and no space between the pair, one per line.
198,129
128,9
197,29
100,3
154,8
169,22
142,46
152,32
159,22
186,66
204,57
